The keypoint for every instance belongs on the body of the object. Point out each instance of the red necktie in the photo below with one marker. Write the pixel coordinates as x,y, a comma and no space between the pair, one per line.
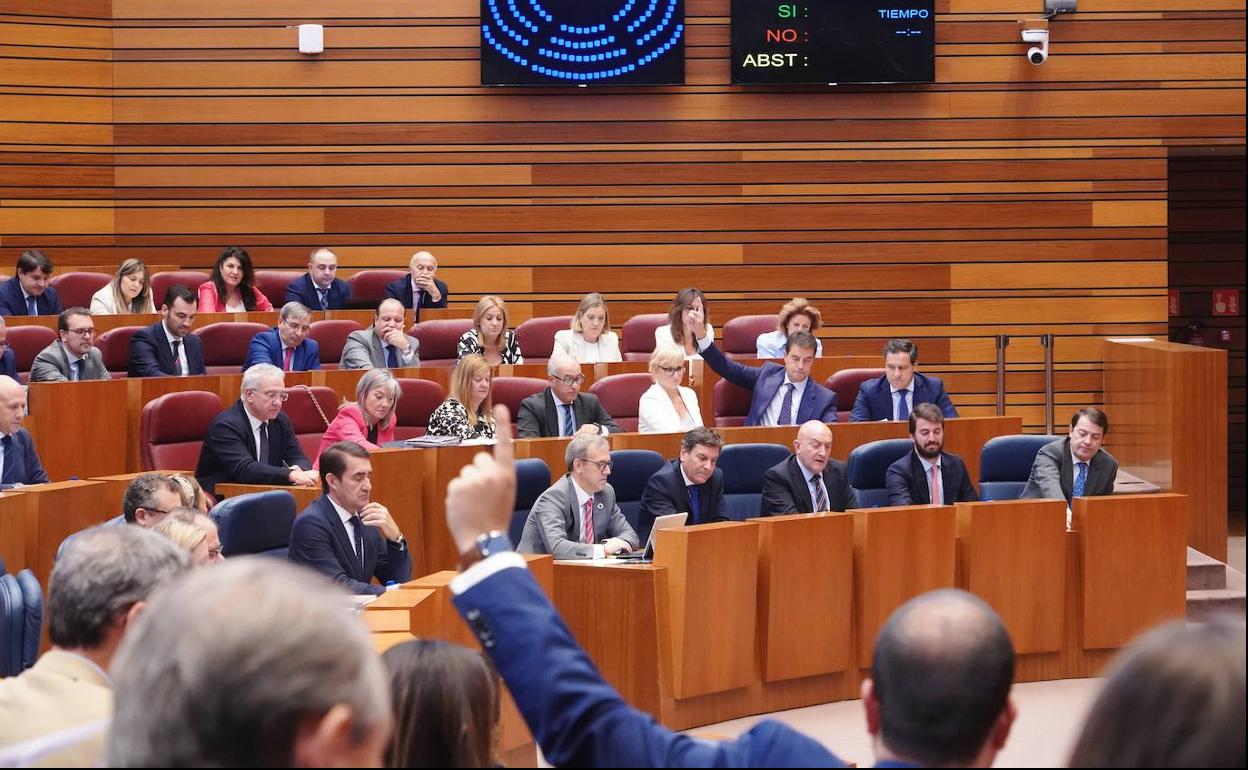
290,353
933,484
589,521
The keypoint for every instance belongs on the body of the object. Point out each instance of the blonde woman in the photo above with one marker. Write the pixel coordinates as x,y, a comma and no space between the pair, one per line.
797,315
130,291
490,336
369,420
468,411
187,536
687,315
667,406
590,340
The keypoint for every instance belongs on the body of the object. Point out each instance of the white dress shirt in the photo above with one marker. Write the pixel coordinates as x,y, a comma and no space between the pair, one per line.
810,485
892,397
347,524
773,409
255,433
183,367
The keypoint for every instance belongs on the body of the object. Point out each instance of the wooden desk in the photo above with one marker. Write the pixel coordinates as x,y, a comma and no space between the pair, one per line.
52,513
82,426
13,530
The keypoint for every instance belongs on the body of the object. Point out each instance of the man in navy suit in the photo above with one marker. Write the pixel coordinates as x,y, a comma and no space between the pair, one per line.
28,292
944,652
286,345
928,475
252,442
343,534
20,463
167,347
421,283
320,289
781,395
691,483
892,396
810,481
8,360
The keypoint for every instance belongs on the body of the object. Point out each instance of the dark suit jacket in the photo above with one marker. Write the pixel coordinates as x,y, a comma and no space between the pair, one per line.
401,289
229,451
266,348
906,481
13,303
555,685
8,363
666,494
152,356
785,489
303,291
320,540
539,418
1053,473
818,403
26,466
875,398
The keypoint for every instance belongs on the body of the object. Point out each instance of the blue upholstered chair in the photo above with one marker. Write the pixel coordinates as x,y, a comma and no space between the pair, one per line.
532,479
632,469
21,622
743,466
1005,465
258,523
868,465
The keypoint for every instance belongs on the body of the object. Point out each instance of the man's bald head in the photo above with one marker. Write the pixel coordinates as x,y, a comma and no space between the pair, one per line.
12,404
813,445
814,429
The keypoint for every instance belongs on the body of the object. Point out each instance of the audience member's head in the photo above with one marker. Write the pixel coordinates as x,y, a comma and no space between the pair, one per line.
446,706
264,391
255,663
813,446
900,356
34,271
323,267
422,266
233,271
798,315
347,474
689,305
927,429
699,453
389,319
799,355
489,319
188,537
131,287
212,536
667,367
591,319
191,492
940,681
179,309
377,395
470,386
12,405
565,376
1088,428
295,321
589,461
149,498
1174,698
76,328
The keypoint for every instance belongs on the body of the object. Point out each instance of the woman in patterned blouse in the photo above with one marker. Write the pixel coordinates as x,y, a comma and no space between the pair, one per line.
489,335
468,411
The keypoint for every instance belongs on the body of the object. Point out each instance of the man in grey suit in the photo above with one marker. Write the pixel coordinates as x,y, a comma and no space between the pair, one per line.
577,518
562,409
74,356
385,346
1075,466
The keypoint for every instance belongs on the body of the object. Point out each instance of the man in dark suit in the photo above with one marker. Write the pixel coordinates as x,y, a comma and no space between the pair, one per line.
320,289
8,360
892,396
74,356
252,442
287,345
28,292
1075,466
345,536
562,409
420,289
20,463
928,475
167,347
689,484
781,395
810,481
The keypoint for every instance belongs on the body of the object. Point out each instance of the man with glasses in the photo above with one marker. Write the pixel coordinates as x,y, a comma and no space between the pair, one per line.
562,409
286,345
149,498
74,356
577,518
252,442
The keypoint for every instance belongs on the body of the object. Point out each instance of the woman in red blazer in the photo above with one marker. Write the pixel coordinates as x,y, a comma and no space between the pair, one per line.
369,421
232,287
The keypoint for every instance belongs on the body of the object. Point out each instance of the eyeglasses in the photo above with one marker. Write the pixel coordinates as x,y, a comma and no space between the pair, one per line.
672,371
603,465
214,553
298,327
82,332
571,382
273,395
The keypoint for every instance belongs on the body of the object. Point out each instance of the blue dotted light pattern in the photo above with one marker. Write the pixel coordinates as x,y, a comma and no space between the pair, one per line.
639,33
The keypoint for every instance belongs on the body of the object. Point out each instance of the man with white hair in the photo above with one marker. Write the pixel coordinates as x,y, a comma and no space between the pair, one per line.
19,462
252,442
562,409
420,288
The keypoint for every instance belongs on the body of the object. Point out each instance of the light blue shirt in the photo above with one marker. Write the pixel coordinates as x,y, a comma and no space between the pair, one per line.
771,345
892,394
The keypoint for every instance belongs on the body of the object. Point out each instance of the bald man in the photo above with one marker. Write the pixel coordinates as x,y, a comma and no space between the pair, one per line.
419,288
19,463
810,481
383,346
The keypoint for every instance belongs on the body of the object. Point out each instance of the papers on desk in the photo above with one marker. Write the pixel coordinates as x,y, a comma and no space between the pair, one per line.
432,441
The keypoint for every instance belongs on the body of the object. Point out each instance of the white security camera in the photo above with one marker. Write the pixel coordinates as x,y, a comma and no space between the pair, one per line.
1037,54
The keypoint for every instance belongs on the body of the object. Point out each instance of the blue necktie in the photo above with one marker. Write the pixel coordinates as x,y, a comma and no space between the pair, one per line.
569,422
903,409
10,462
786,406
695,511
32,306
1081,480
821,497
392,357
75,371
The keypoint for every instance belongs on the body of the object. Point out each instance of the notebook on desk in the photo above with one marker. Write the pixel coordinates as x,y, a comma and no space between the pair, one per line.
663,522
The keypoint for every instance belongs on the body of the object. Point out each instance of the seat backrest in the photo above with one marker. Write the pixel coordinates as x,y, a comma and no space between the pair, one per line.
161,282
439,338
255,523
868,465
32,616
536,337
730,404
172,428
369,286
740,334
76,289
743,466
331,336
273,283
21,622
845,385
114,346
510,391
637,335
306,420
1005,465
225,344
417,400
620,395
532,479
26,342
631,469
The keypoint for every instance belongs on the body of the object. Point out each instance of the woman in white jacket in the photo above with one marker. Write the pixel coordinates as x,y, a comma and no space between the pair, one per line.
667,406
590,340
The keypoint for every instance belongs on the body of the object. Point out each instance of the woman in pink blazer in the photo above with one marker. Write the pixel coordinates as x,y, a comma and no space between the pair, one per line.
232,287
369,421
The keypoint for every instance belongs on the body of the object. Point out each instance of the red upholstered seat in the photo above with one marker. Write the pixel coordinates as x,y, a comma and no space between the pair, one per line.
730,404
845,384
620,395
114,346
161,282
637,336
172,429
273,283
26,342
369,286
418,400
307,422
439,338
510,391
537,337
331,335
740,335
225,344
76,289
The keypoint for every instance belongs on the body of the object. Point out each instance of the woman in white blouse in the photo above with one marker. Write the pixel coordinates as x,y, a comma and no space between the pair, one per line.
130,291
687,313
667,406
590,340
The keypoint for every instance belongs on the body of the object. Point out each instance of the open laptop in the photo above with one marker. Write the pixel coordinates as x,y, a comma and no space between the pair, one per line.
663,522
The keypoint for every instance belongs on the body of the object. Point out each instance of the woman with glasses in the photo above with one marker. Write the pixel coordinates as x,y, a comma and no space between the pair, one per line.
232,287
590,340
667,406
468,412
130,291
369,420
687,315
489,336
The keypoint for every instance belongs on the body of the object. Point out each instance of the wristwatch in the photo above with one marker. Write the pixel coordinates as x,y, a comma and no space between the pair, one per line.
401,543
487,544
